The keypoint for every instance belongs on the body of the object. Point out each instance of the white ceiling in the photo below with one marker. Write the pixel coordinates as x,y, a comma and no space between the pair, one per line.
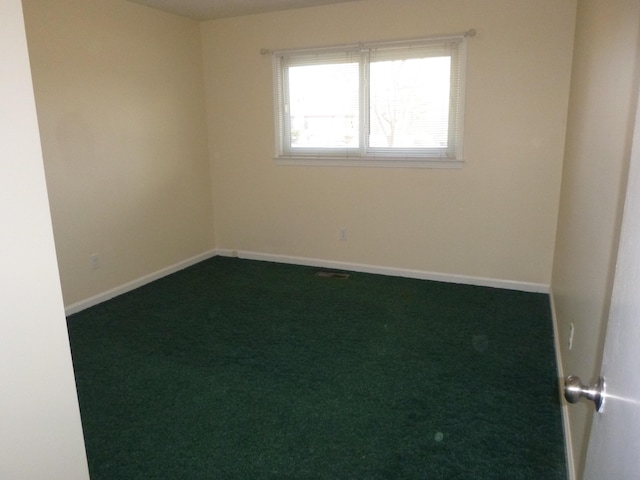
212,9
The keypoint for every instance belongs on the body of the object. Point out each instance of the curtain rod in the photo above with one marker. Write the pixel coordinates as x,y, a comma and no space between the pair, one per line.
467,34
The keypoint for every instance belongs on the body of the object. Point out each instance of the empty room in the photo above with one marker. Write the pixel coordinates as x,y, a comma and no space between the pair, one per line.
319,239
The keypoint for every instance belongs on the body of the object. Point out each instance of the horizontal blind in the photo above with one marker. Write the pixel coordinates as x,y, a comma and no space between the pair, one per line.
319,102
414,99
373,100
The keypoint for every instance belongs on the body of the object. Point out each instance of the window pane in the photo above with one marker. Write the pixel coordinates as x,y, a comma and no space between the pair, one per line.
324,106
409,103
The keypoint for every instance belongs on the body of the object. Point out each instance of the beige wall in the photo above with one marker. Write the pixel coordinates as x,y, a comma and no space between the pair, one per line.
121,107
120,99
602,108
494,218
40,429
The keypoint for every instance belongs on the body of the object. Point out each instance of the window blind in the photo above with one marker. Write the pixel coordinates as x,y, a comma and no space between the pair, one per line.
378,101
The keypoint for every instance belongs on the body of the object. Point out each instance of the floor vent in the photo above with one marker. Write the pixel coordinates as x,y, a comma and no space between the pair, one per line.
325,274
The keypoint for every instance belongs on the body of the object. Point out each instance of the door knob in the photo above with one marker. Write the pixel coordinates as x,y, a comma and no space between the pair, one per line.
574,390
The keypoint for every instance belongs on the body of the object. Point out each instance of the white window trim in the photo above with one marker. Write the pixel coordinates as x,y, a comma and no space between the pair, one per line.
371,157
365,161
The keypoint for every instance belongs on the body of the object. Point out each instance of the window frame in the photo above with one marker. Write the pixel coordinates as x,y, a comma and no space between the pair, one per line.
454,46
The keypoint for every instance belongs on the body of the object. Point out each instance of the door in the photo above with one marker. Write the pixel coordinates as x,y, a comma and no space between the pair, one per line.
614,444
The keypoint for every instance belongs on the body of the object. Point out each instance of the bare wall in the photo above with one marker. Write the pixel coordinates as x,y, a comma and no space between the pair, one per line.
41,433
120,99
601,115
494,218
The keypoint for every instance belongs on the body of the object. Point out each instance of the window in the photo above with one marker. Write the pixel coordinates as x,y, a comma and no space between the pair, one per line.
397,103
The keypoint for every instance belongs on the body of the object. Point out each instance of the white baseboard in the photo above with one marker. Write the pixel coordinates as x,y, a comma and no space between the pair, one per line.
568,444
127,287
312,262
390,271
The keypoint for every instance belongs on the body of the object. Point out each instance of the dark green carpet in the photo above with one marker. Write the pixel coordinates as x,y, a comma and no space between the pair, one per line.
236,369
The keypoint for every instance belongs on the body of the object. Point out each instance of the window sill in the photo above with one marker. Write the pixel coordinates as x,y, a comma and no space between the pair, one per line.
387,162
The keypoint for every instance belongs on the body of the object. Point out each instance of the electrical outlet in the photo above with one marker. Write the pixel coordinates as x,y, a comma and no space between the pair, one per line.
94,261
571,330
342,234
